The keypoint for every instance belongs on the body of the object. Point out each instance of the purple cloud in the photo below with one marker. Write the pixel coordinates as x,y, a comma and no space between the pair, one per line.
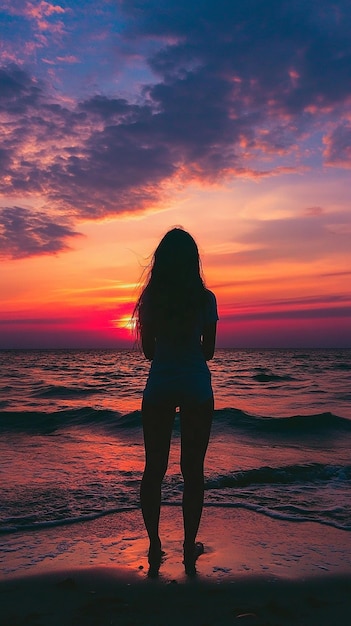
25,233
237,86
18,91
338,146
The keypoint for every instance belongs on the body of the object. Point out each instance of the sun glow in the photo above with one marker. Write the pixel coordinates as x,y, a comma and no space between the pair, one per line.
126,322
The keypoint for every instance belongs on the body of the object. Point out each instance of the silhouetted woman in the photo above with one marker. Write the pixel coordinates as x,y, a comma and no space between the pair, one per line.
176,320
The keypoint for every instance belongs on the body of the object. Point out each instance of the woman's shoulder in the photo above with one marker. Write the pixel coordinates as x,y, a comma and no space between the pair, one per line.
210,296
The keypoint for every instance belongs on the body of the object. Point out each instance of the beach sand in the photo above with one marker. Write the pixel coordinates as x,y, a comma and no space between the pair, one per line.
255,571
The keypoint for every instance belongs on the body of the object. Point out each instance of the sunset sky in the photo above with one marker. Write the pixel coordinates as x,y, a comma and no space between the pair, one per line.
123,118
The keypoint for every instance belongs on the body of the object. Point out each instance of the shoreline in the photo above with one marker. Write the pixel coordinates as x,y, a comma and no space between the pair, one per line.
237,542
255,571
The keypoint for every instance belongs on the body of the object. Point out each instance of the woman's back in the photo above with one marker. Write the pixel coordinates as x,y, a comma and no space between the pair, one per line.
183,343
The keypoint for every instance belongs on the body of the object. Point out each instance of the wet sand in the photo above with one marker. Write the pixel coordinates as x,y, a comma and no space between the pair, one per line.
255,571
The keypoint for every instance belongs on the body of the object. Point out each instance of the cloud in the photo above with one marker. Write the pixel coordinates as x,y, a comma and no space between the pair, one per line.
338,146
292,52
38,12
315,234
312,236
313,313
25,233
18,91
36,321
239,89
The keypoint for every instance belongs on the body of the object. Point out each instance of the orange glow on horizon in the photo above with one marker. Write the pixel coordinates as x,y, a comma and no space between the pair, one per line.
86,296
125,322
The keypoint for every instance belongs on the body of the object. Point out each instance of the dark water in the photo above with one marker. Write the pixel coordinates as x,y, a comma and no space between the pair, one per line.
71,445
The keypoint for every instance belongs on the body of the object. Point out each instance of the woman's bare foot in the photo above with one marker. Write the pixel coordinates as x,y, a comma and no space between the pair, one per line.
191,554
154,558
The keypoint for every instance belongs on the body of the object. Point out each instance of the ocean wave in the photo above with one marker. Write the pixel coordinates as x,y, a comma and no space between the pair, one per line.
263,377
291,515
5,389
291,474
85,417
64,392
9,527
47,423
294,515
296,424
343,366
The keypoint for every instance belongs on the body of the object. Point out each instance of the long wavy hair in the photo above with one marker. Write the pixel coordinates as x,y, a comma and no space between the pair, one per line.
174,291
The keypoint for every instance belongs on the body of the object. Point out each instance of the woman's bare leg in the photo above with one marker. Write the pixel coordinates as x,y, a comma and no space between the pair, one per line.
196,424
157,428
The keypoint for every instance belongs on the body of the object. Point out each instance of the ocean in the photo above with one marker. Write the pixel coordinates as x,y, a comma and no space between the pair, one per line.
71,444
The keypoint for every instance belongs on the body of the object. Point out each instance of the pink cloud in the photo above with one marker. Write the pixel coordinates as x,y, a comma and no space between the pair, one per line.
68,58
338,146
33,10
313,211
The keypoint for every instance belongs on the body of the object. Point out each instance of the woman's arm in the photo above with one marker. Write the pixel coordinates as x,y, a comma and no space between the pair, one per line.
148,341
209,340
